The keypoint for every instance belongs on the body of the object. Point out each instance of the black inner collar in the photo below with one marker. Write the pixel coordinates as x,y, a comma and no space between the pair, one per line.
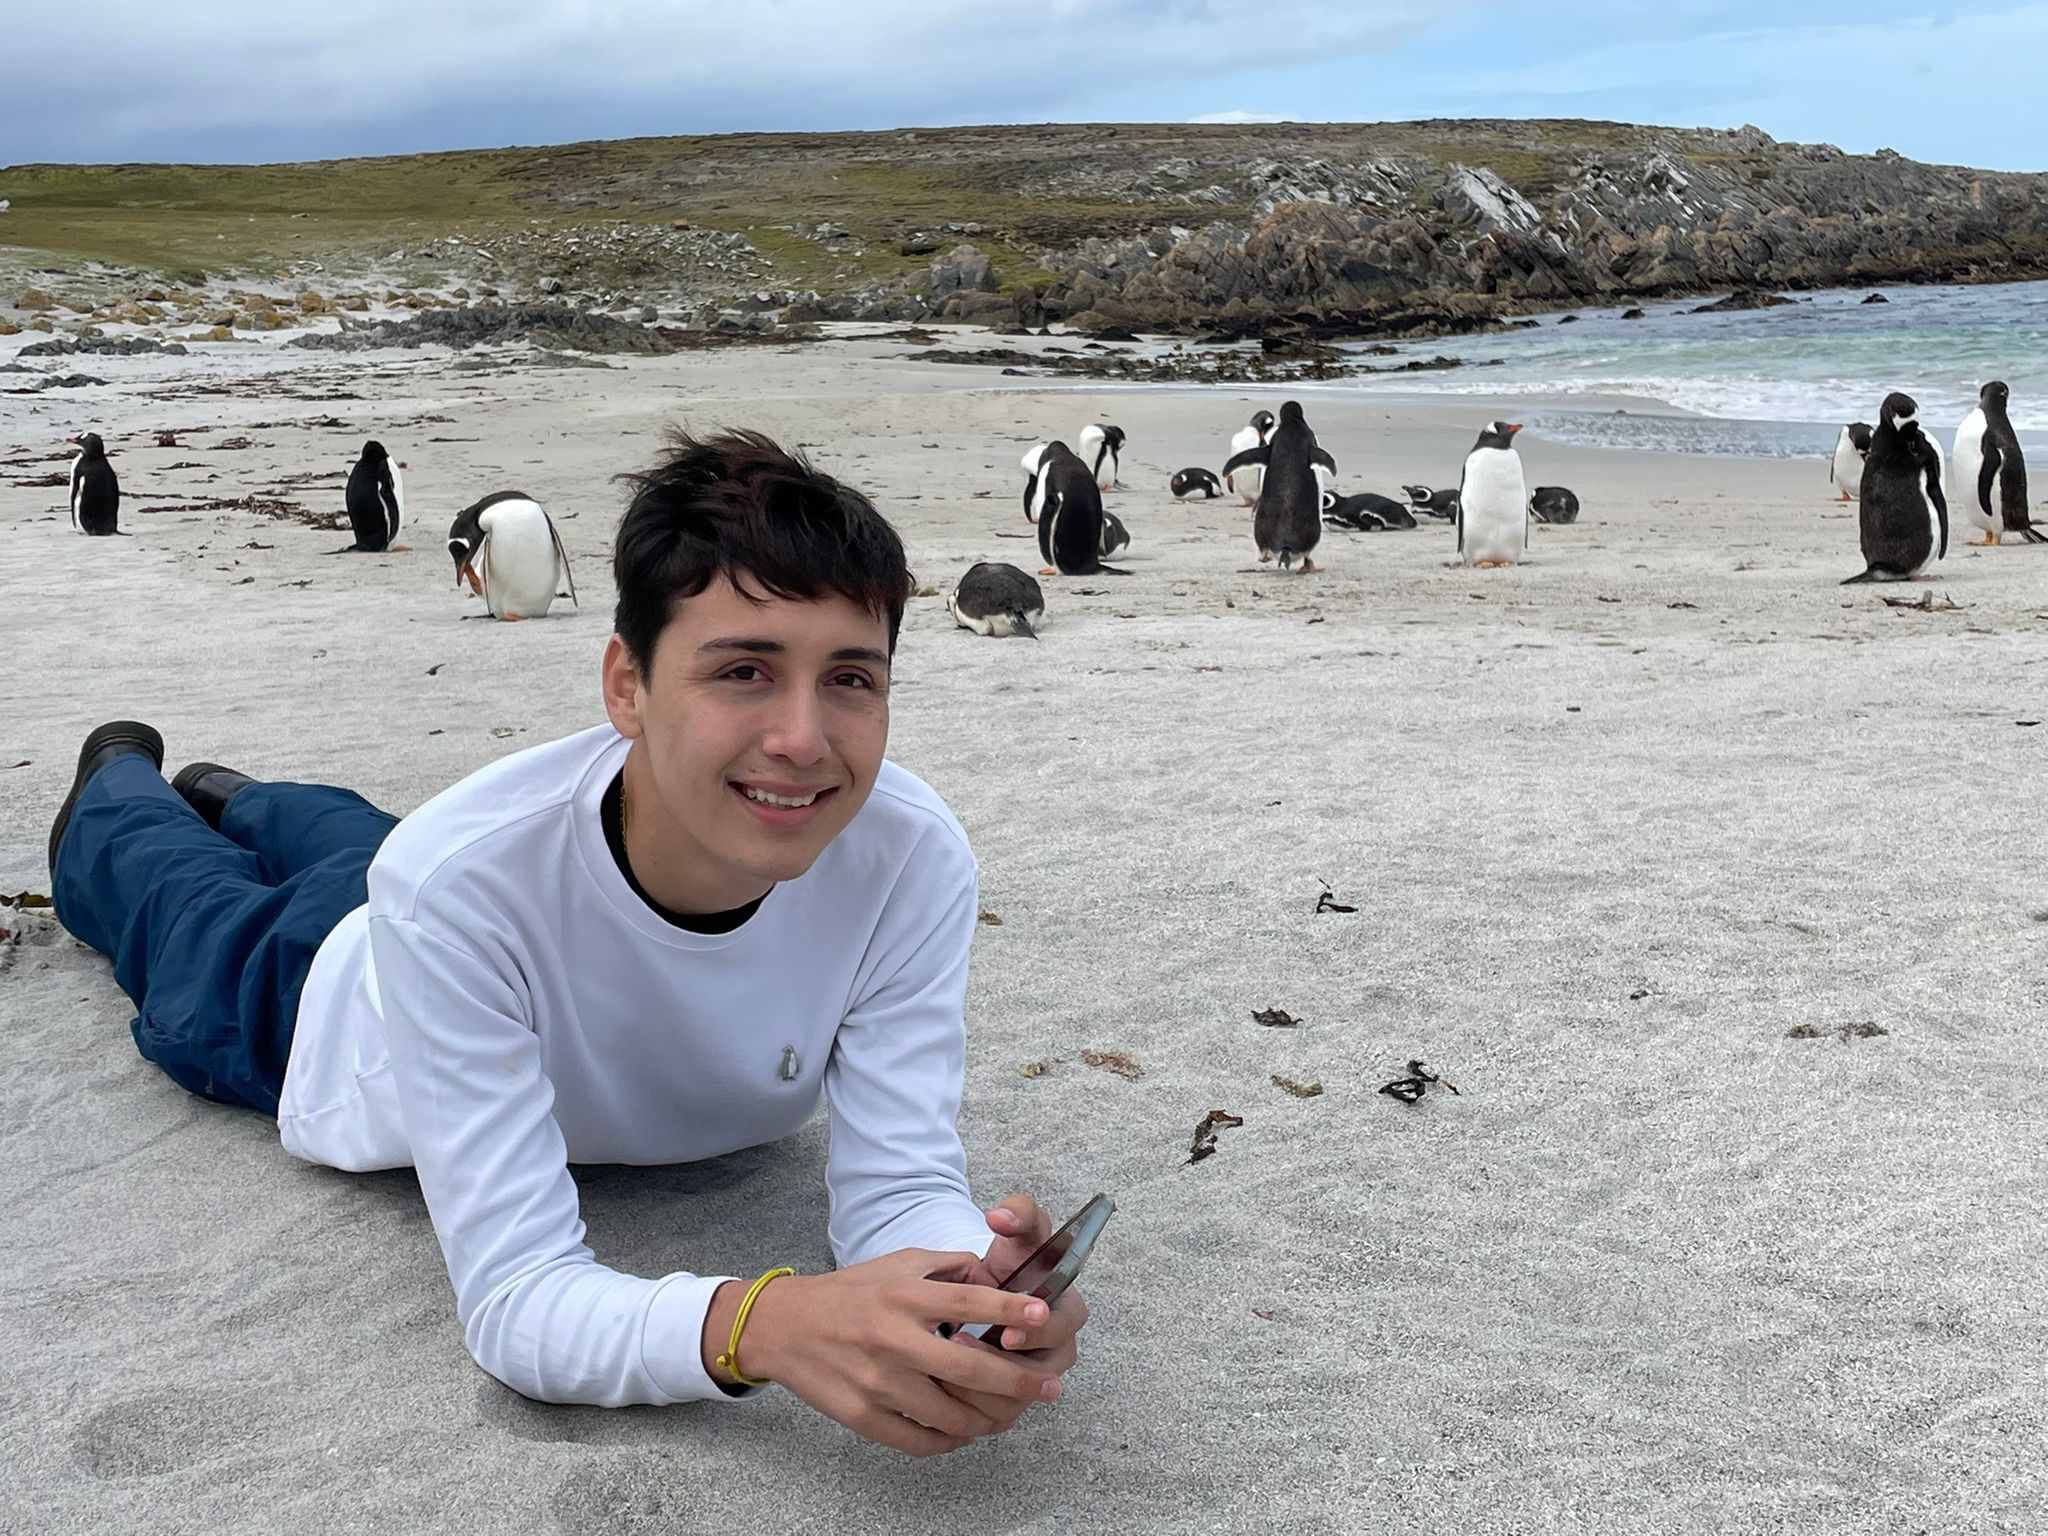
615,839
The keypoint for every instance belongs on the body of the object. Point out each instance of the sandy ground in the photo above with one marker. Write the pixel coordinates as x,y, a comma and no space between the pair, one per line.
1617,823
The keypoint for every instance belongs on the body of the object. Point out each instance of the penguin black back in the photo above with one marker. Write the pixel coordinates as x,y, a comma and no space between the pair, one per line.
95,489
372,501
1287,520
1070,519
2002,479
1903,517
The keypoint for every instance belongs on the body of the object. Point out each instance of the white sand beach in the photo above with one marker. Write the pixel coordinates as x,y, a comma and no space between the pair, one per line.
1621,825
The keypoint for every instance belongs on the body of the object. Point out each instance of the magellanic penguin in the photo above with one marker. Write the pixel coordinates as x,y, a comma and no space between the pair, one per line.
376,502
1493,500
1904,516
95,489
1991,472
1845,474
1365,512
1101,443
998,600
508,549
1553,504
1246,481
1069,516
1429,503
1190,483
1287,522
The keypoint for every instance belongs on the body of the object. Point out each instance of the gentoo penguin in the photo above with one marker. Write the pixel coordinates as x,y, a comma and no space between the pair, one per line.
1429,503
95,489
1493,500
1365,512
1553,504
1116,538
1991,472
1851,448
1069,515
1287,522
1034,494
1904,516
376,501
511,554
998,600
1246,481
1100,445
1190,483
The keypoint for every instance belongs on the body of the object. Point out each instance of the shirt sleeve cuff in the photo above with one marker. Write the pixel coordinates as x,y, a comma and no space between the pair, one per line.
672,1344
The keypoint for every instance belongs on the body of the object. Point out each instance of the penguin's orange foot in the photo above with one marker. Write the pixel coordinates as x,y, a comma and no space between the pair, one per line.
1047,570
1264,556
514,618
1844,496
1310,568
1991,537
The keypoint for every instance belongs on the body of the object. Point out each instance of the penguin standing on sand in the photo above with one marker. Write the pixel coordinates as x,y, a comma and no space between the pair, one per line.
1100,445
508,550
1493,500
95,489
1069,515
1991,472
1246,481
1287,522
1190,484
998,600
1904,516
1034,496
1851,449
376,502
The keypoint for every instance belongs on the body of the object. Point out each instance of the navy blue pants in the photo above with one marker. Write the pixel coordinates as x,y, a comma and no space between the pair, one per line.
212,933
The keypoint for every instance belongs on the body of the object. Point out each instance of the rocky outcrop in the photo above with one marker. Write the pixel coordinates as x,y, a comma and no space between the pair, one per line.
553,326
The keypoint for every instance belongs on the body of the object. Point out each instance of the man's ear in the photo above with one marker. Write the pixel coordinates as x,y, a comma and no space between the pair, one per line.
622,690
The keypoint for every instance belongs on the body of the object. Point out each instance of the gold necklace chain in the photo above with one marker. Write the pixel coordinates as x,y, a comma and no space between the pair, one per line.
625,810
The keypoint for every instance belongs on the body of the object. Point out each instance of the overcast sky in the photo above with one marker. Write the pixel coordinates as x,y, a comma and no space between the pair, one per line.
233,80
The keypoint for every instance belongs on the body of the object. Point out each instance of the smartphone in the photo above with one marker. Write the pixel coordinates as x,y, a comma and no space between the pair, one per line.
1052,1267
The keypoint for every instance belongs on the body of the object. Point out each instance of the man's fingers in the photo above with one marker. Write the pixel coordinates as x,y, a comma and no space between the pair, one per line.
1069,1314
907,1436
1023,1219
980,1369
953,1303
945,1413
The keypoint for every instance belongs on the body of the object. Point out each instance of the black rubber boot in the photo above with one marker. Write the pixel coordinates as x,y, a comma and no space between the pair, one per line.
117,738
207,788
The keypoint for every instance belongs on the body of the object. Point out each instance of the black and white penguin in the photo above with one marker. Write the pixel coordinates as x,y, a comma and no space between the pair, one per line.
1553,504
1493,500
1100,445
1429,503
376,501
511,554
1365,512
1034,495
1116,538
1069,515
1845,474
1190,483
1904,516
95,488
998,600
1991,472
1246,481
1287,522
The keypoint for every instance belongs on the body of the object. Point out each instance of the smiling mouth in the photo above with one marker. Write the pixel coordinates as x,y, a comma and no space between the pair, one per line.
772,801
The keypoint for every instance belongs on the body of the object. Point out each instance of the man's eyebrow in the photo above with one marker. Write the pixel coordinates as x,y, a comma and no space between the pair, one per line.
762,646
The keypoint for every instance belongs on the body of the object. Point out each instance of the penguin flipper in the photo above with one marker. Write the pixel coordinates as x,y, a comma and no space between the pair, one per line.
1259,455
1020,623
1321,456
562,561
1987,479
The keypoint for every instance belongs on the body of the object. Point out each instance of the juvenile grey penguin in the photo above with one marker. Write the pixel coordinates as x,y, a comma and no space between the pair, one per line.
998,600
1191,483
1991,472
1287,521
1904,516
1101,444
375,500
95,488
508,549
1845,474
1553,504
1069,515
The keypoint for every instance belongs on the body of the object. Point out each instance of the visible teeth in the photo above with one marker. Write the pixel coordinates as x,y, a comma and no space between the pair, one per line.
765,798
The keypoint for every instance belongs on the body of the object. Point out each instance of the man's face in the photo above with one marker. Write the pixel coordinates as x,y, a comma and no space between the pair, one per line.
764,726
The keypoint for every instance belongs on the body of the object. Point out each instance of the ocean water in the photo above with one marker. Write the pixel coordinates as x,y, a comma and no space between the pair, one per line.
1768,383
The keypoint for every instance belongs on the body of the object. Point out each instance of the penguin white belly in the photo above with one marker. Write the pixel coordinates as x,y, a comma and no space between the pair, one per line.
1969,462
1247,481
519,564
77,487
398,500
1933,530
1496,506
1848,467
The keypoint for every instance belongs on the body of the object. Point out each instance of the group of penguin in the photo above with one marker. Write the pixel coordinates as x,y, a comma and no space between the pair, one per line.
505,546
1897,474
1279,470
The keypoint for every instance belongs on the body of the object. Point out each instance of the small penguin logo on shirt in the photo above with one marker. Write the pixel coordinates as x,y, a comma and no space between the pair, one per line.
788,1070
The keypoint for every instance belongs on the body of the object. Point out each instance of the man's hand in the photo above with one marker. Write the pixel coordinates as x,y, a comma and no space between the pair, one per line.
1020,1226
861,1346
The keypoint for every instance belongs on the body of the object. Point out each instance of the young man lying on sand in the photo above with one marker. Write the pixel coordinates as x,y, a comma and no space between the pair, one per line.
650,942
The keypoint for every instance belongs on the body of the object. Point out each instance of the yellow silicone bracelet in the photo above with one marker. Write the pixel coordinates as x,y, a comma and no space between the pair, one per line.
730,1360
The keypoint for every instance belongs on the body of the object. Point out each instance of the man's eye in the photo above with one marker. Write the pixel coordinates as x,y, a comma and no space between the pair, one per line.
854,680
745,674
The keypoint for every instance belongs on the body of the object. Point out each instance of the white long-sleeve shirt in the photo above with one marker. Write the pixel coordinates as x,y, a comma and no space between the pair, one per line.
505,1005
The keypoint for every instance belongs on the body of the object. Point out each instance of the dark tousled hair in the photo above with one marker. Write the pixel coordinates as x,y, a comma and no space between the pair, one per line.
737,505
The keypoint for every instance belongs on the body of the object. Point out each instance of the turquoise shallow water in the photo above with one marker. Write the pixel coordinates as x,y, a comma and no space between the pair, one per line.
1762,383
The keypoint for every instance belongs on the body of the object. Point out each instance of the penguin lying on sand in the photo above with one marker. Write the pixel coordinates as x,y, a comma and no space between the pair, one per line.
1365,512
508,549
1116,538
1903,517
998,600
1190,483
1553,504
1429,503
1991,472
